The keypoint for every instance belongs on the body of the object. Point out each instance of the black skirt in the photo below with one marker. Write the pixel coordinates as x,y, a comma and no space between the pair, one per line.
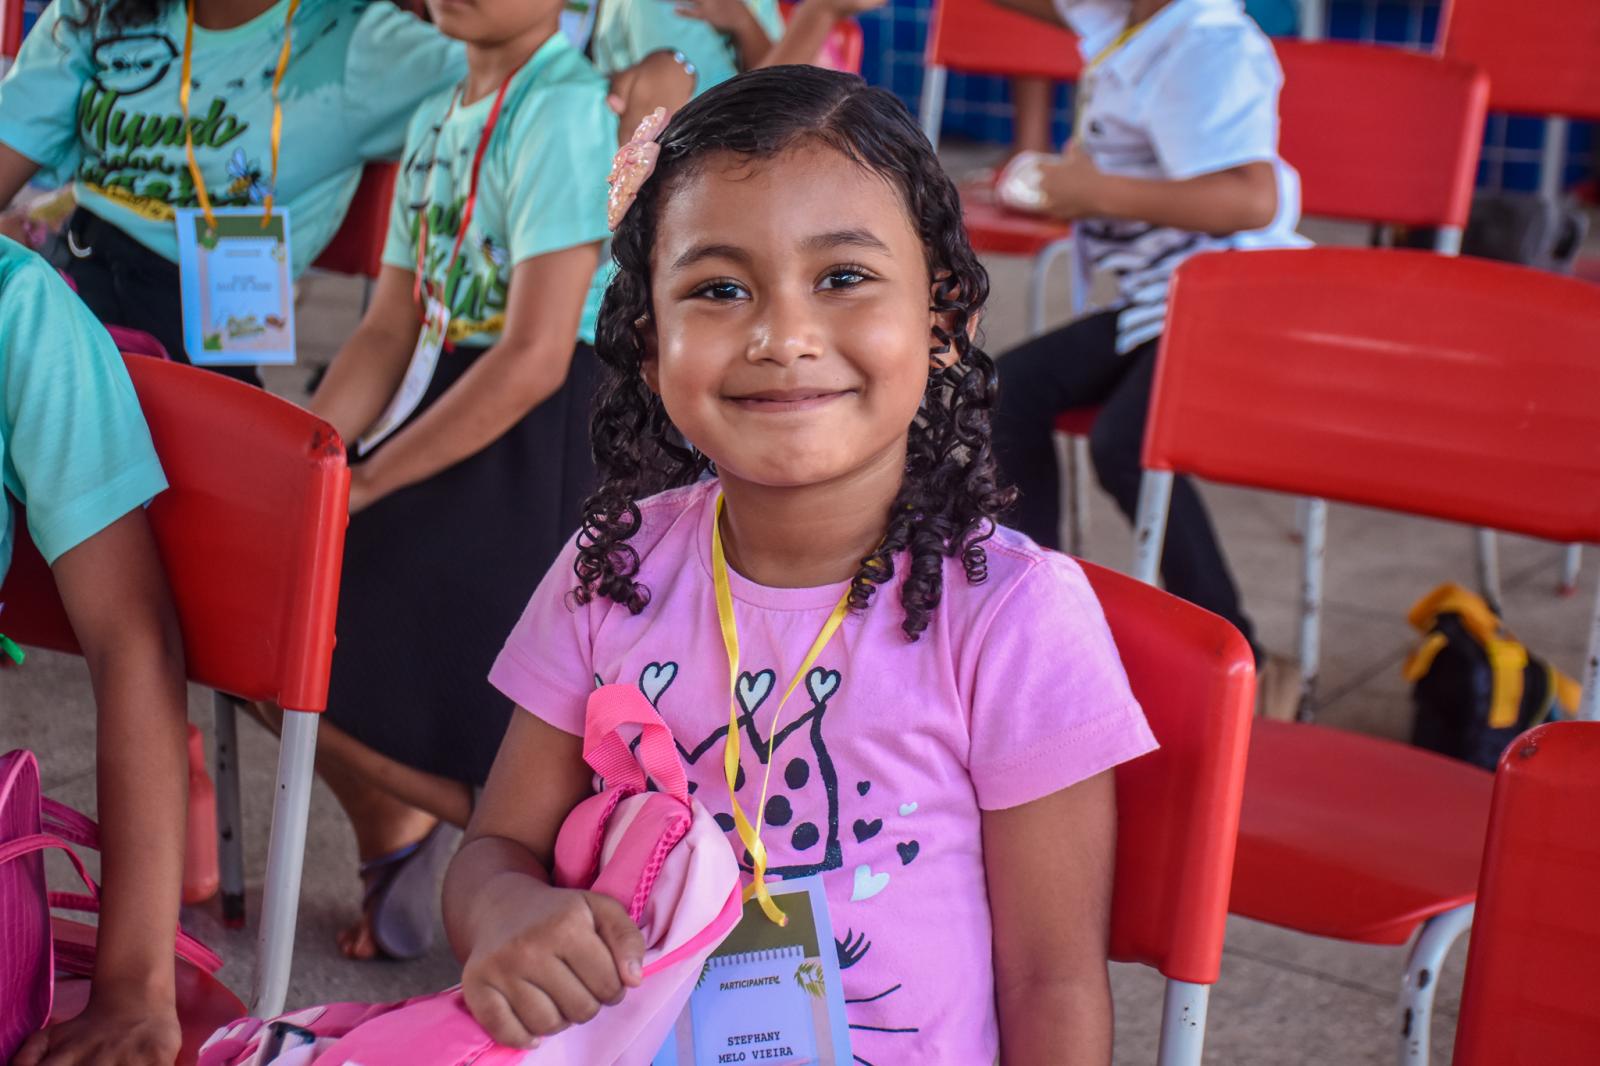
436,575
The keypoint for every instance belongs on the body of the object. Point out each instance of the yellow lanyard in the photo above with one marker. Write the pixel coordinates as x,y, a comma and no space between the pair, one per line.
1081,94
751,835
277,114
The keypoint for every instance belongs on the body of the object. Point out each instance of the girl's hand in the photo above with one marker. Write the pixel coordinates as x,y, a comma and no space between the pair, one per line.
113,1030
1071,185
548,958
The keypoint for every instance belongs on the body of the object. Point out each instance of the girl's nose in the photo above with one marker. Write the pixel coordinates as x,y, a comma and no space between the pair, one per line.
786,331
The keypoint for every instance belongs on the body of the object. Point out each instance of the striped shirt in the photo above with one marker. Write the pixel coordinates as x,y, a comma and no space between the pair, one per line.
1194,91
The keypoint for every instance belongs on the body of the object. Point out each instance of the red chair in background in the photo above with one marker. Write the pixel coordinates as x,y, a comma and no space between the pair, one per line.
1532,992
1377,135
1450,388
10,28
357,247
1178,807
1542,59
251,534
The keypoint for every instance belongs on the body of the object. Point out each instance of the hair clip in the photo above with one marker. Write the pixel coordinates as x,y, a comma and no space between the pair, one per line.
633,164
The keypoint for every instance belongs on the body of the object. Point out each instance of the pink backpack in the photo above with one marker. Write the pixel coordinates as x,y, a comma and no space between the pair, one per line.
30,953
658,853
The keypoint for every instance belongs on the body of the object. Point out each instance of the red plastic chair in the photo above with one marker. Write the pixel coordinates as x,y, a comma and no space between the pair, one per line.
251,534
1178,807
1532,992
10,28
1377,135
357,247
1542,59
1450,388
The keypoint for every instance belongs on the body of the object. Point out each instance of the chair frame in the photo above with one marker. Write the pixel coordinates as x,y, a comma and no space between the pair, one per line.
289,664
1439,932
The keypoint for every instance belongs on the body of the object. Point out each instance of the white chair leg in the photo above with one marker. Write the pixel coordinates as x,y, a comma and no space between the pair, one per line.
1488,553
1150,526
1313,554
1571,561
230,825
931,107
1422,981
1078,496
280,897
1183,1024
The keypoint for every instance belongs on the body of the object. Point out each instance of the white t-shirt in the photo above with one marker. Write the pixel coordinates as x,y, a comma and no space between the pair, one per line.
1193,91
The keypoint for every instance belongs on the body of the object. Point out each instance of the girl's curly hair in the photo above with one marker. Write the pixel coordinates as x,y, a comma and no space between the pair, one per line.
949,495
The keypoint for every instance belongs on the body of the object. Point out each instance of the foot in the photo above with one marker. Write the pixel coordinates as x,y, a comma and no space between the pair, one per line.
400,898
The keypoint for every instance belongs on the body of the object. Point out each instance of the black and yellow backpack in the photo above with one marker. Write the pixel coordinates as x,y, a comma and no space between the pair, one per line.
1474,685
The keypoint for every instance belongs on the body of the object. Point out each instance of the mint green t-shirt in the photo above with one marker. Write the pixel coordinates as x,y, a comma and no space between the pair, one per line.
99,105
542,187
74,447
625,31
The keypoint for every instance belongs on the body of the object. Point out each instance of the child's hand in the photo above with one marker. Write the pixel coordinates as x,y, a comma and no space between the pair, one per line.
113,1030
13,224
725,15
1071,185
549,958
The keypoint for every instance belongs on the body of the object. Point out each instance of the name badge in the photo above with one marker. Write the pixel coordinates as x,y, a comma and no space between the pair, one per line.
770,995
419,373
238,294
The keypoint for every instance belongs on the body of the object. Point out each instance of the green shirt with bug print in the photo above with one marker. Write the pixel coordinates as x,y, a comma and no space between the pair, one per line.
542,187
98,105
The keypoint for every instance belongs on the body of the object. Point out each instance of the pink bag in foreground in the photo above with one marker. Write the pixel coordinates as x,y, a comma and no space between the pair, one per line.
30,825
658,853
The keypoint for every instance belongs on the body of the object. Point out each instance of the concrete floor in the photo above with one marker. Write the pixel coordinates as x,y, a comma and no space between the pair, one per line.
1283,998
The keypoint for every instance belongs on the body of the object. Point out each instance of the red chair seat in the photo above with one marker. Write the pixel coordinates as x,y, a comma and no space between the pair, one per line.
1001,231
204,1003
1353,837
1077,421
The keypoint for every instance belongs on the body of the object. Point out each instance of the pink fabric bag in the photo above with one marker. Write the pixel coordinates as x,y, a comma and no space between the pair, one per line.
30,825
658,853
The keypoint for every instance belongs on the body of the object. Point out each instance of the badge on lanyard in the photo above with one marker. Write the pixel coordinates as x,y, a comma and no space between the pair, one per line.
770,993
419,373
234,264
435,312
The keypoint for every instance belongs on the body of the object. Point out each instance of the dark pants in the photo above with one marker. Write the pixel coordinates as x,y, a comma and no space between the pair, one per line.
1078,366
126,284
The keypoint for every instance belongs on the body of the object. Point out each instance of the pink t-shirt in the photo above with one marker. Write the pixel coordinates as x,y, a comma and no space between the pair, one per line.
885,755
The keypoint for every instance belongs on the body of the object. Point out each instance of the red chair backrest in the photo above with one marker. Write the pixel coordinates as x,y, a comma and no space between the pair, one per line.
842,50
357,247
1178,807
1381,134
1455,388
1532,981
251,534
1542,58
981,37
10,28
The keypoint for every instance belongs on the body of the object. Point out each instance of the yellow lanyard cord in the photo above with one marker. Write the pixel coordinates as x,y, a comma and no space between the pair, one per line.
751,835
1081,95
277,114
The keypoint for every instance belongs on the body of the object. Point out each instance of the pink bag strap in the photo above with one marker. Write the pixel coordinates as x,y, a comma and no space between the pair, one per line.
69,824
32,842
610,708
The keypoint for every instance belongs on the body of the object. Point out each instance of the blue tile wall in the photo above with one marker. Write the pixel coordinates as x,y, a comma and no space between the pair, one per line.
979,108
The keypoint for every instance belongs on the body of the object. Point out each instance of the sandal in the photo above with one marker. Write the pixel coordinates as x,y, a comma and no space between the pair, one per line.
400,893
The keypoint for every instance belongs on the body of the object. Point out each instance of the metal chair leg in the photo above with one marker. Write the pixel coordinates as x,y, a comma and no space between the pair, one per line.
1422,980
280,897
1313,555
1489,568
1571,562
1183,1024
230,825
1078,496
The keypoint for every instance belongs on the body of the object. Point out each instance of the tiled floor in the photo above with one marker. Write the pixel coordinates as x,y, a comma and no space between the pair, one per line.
1283,999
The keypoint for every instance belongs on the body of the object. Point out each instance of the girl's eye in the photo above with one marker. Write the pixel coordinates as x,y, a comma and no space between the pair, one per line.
721,290
845,277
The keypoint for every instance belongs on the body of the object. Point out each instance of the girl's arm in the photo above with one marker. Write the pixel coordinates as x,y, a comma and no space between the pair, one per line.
734,18
544,306
116,597
808,29
657,80
536,958
1234,200
1049,867
16,170
369,367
